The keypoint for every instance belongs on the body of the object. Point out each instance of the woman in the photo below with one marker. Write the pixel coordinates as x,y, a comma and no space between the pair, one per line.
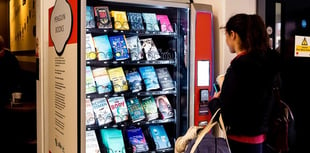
246,97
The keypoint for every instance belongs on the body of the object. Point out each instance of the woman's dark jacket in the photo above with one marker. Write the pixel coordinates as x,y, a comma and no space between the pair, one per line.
246,96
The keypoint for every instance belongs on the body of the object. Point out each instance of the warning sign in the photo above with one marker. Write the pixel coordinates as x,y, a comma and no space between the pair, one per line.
302,48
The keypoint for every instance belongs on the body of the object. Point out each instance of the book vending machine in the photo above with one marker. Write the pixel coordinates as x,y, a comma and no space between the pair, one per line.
138,93
143,75
136,79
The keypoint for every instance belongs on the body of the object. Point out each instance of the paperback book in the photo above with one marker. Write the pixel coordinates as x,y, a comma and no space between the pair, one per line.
164,107
119,47
102,111
135,81
165,78
103,47
135,20
90,17
90,47
90,116
149,77
135,109
134,47
112,139
103,19
118,78
150,21
92,145
120,20
150,108
164,22
150,49
137,140
119,108
102,80
159,136
90,81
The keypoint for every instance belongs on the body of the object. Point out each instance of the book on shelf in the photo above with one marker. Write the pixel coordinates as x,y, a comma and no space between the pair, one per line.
103,47
135,109
149,77
102,111
90,81
159,136
118,78
164,78
134,47
92,145
150,21
102,15
119,108
90,17
150,108
149,48
90,47
164,107
120,20
135,20
134,80
113,140
102,80
165,25
137,139
90,116
119,47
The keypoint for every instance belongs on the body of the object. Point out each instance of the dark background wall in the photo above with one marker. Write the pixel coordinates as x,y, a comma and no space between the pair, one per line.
29,69
4,26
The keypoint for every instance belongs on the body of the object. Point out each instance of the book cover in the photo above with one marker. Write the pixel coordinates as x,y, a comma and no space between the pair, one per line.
150,108
102,15
135,21
92,145
90,116
134,47
137,139
90,81
160,137
113,140
118,78
102,111
103,47
164,22
150,49
102,80
164,107
90,47
149,77
135,81
120,20
150,21
135,109
119,108
90,17
165,78
119,47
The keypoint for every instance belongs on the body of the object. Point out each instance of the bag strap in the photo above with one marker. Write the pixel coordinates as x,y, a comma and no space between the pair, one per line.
207,129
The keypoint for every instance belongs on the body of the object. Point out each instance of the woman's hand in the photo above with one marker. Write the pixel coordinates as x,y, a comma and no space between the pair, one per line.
217,94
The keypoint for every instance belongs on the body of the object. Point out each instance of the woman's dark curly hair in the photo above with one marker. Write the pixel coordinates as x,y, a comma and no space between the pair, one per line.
251,30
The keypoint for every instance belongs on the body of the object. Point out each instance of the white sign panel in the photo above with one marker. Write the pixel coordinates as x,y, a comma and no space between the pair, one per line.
62,78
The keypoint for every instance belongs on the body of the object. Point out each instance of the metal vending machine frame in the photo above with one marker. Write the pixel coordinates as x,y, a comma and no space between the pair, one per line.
202,63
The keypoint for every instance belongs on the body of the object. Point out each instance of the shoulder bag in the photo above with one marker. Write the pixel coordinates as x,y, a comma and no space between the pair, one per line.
212,138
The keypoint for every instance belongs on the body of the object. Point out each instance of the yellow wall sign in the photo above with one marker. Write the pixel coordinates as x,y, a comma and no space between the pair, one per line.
302,46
